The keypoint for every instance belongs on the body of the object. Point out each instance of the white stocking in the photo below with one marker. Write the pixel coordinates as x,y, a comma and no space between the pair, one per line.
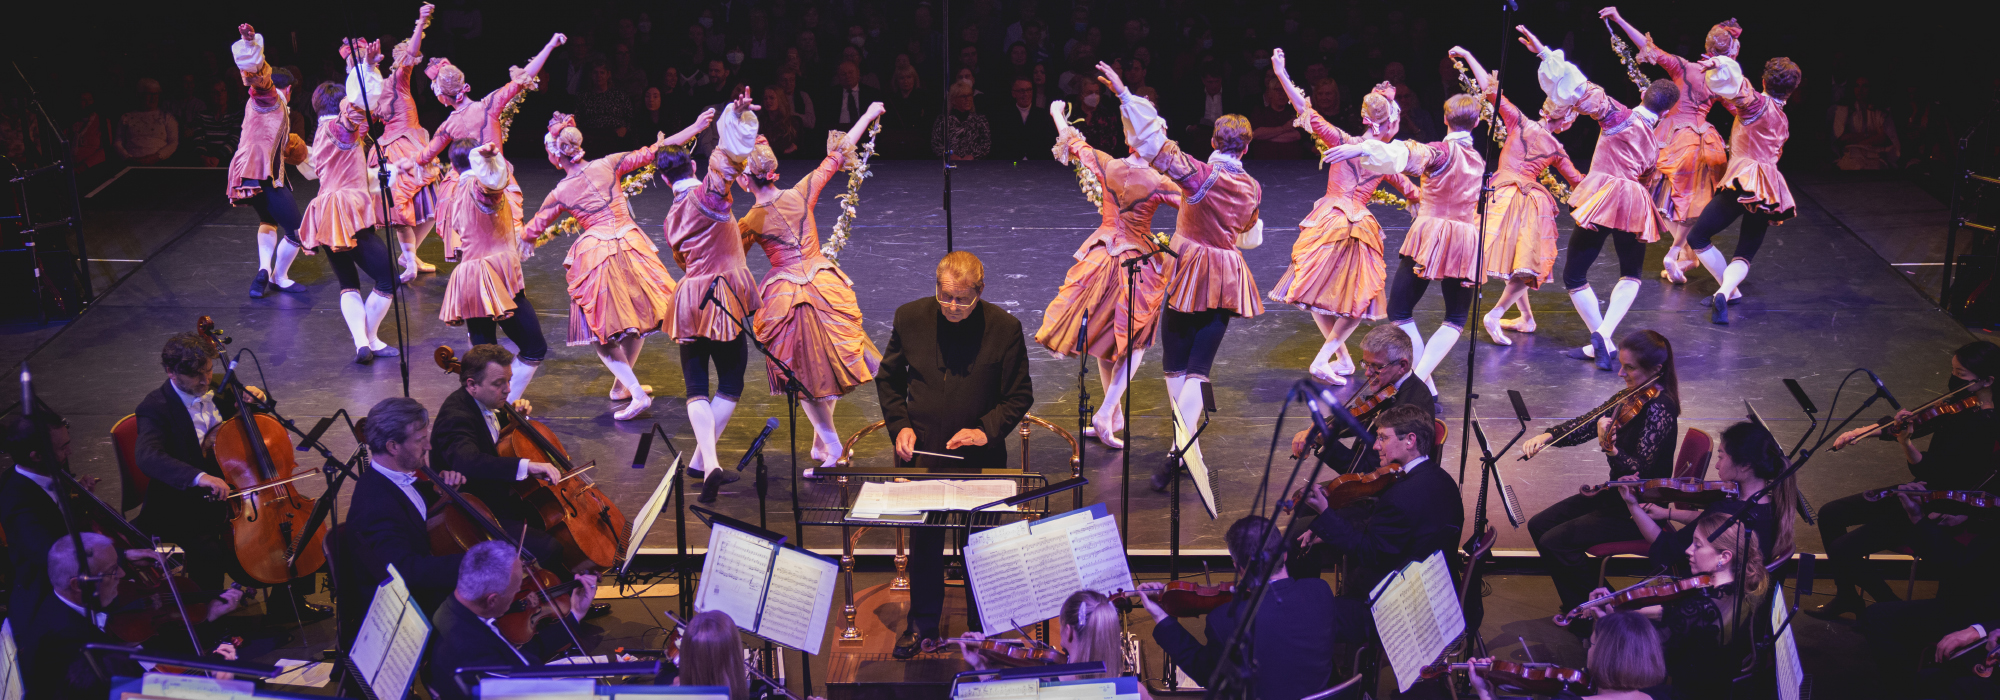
628,350
1343,360
1585,300
826,439
1188,405
267,245
701,418
621,370
378,309
287,252
355,312
1115,377
1434,352
1409,328
1622,296
1712,260
1328,346
1732,276
524,372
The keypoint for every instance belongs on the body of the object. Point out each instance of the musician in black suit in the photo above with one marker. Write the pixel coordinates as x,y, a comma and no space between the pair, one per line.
464,633
464,439
52,635
954,380
385,522
1385,362
183,504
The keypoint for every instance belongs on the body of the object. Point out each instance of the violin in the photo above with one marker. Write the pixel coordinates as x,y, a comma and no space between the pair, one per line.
1005,652
1530,678
1682,490
267,515
1622,403
1936,408
573,510
1628,409
1969,499
1347,489
1181,598
1359,404
1641,595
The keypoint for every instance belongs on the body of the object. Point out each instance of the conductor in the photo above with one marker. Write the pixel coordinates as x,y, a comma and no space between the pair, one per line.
954,380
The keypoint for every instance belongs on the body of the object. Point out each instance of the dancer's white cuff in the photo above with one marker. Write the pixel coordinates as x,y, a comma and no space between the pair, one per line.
736,132
1560,79
368,77
490,171
1726,78
1145,130
249,55
1383,158
1253,237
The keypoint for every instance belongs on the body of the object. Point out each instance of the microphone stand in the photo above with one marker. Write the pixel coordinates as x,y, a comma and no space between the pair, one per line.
1083,391
75,202
355,66
1131,368
794,392
950,148
1479,256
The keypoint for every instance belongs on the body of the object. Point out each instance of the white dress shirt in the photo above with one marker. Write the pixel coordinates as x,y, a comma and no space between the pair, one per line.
202,410
97,619
1211,108
492,416
405,482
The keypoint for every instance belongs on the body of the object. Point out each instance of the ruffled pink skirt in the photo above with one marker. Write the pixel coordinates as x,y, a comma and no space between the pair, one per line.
333,217
1210,278
1690,168
1096,285
1605,202
482,288
1521,233
1763,187
617,288
1443,248
1336,269
738,294
816,330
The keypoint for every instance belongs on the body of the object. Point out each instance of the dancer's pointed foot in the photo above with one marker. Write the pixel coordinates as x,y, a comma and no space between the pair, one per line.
1600,349
1107,434
1672,271
1719,312
619,393
1343,365
1519,324
425,267
1494,333
1325,375
632,410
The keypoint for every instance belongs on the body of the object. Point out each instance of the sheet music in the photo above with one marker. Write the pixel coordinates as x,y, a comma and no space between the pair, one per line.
799,600
390,643
642,522
1416,615
879,500
10,670
1791,675
734,575
404,653
1024,571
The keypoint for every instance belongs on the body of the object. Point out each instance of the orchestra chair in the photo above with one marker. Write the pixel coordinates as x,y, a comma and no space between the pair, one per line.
1692,461
902,580
132,482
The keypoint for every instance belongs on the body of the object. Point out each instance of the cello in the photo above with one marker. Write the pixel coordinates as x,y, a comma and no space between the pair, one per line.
573,510
267,515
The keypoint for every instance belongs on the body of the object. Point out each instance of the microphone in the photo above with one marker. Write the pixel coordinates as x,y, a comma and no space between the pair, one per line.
1326,409
710,295
1806,402
27,392
1163,243
756,446
1884,390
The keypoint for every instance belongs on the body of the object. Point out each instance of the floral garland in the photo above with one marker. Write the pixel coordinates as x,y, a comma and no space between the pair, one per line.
857,170
1466,83
1381,196
1556,188
528,84
633,183
1086,179
1625,56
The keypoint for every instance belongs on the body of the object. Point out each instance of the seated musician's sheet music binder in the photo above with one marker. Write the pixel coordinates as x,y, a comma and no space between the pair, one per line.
390,645
1022,572
10,670
1417,616
768,588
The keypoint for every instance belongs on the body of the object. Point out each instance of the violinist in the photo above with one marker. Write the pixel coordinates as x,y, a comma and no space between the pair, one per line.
58,626
711,654
1979,641
1385,358
1751,458
184,504
1298,624
1624,661
489,579
1962,456
29,512
1704,650
1090,632
1420,513
1642,446
466,436
386,519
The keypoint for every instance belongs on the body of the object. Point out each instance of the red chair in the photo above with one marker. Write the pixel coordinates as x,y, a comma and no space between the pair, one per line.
1691,461
132,482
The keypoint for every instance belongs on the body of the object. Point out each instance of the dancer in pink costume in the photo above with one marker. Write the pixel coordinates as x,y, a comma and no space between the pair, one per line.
342,218
257,170
413,198
1752,188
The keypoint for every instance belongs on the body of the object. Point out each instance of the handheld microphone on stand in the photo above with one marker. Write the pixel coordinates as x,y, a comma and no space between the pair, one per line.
1321,402
757,445
710,295
1882,390
1163,243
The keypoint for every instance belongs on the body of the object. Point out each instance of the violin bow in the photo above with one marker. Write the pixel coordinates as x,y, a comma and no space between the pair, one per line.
1590,417
1974,386
562,616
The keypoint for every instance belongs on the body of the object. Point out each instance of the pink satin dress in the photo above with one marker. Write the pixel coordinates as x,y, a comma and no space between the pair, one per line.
617,285
1219,203
1521,216
810,317
707,244
1095,284
1444,238
1691,150
1337,267
348,200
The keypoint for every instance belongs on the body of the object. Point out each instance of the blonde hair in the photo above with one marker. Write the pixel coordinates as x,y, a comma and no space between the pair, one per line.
712,654
569,145
962,88
1742,546
1232,134
1722,38
1461,112
1379,107
762,163
964,268
1091,621
448,80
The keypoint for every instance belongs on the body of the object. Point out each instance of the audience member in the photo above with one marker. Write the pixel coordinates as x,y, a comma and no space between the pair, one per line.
849,97
1272,135
626,75
603,115
907,116
147,135
961,134
1864,137
88,133
1097,118
1020,130
782,128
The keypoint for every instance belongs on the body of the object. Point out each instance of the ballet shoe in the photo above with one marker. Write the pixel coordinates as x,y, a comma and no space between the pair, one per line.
1519,324
1719,311
1578,354
1324,375
1601,352
1107,435
408,274
1672,271
1494,333
1090,431
291,288
261,285
425,267
632,410
1343,366
617,387
385,351
363,355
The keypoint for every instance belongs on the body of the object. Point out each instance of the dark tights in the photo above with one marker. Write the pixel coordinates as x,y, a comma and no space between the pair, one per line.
522,327
370,255
730,356
1723,210
277,207
1190,340
1408,288
1585,244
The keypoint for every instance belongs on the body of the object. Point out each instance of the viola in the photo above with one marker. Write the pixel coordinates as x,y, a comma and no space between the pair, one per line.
573,510
1359,405
1682,490
1970,499
1641,595
1530,678
1934,409
1181,598
267,515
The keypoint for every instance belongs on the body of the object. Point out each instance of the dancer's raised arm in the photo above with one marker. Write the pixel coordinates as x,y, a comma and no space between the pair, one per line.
535,65
1486,80
860,127
1299,100
683,136
1638,37
417,35
1148,131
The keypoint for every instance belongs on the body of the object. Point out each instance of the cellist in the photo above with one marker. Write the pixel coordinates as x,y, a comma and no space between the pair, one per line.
465,439
184,504
386,520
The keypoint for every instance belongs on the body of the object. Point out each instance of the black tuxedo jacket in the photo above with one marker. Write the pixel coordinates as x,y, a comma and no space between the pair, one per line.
920,390
170,452
51,652
459,639
1018,138
384,528
1417,515
461,443
33,523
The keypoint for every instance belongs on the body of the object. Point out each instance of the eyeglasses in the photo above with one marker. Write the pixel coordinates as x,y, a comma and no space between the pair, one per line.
1373,367
952,302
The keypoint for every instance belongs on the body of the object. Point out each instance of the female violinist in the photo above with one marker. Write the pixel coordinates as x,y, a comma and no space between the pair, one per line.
1961,457
1639,432
1751,458
1624,662
1090,632
1704,649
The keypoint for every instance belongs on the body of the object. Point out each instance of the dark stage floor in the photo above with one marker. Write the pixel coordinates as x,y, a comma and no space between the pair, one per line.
1820,302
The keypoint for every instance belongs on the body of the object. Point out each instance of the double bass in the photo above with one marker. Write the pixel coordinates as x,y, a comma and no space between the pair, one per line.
573,510
267,514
